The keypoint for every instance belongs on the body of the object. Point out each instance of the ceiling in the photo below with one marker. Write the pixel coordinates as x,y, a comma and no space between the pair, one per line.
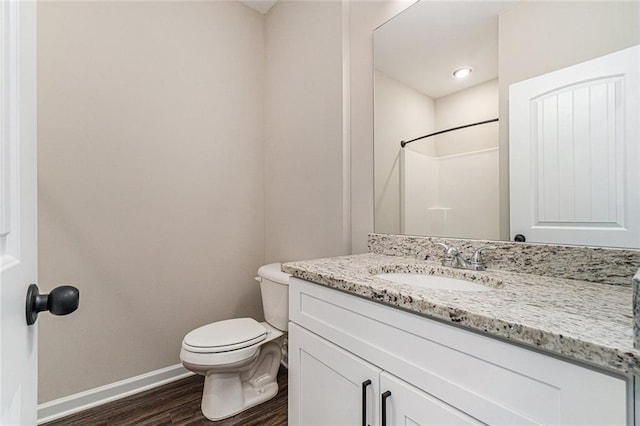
422,46
261,6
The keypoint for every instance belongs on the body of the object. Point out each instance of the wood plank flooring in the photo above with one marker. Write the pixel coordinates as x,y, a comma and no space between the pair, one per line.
177,403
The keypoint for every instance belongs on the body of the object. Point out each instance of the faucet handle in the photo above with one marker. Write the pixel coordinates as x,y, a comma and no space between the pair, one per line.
450,254
476,259
443,245
448,250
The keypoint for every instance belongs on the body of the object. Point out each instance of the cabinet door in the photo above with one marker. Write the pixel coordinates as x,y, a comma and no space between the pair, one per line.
326,383
407,405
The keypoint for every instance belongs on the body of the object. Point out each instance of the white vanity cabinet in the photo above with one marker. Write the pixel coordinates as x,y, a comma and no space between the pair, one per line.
333,387
436,373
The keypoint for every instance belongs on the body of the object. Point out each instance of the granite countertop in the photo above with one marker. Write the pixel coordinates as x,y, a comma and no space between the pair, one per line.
584,321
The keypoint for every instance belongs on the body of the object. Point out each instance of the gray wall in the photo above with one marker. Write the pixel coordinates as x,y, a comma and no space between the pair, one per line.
304,183
150,123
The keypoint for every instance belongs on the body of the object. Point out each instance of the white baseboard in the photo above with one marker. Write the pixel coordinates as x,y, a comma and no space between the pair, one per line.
71,404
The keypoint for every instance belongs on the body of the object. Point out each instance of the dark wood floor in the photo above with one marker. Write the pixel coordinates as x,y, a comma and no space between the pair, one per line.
178,403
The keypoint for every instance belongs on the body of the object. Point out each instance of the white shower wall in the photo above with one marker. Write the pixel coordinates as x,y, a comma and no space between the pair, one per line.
418,194
453,196
468,185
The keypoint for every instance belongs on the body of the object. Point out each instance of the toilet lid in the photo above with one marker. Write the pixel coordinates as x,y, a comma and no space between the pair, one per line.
225,335
272,272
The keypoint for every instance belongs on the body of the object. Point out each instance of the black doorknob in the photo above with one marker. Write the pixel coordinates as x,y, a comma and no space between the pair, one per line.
61,301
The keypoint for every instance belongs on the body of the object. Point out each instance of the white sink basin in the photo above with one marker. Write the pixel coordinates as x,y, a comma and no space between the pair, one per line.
433,281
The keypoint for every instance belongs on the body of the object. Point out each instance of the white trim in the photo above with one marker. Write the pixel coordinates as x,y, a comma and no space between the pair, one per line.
71,404
462,154
11,58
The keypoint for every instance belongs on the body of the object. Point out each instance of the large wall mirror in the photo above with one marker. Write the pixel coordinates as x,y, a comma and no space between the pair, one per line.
455,183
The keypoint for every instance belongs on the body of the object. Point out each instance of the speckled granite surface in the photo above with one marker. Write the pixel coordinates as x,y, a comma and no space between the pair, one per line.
584,321
594,264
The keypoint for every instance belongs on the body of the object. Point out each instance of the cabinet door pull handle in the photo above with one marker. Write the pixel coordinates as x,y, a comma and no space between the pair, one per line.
385,395
365,384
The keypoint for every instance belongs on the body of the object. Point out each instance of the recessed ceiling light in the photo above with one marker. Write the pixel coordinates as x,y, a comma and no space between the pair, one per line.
462,72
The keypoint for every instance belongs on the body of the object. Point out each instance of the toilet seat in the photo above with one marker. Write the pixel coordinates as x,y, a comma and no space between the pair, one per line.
225,336
203,356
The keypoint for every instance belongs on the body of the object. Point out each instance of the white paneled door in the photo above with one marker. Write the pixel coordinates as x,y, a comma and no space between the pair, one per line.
18,218
574,153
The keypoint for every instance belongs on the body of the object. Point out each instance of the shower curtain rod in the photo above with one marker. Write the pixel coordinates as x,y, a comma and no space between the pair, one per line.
404,143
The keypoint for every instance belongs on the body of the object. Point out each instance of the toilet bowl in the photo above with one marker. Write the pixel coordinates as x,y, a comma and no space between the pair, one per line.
240,357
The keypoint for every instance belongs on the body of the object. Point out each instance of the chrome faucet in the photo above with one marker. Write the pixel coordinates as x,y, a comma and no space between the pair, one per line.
453,259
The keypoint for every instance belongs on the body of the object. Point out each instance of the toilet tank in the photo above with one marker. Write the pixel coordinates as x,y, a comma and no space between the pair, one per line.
274,286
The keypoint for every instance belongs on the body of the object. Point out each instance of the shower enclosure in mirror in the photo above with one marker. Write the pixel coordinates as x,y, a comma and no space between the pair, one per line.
456,183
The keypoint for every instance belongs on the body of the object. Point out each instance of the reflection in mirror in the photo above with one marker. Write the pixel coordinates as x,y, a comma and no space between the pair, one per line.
447,184
456,184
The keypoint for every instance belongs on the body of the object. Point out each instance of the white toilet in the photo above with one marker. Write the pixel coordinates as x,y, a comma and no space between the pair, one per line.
240,357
